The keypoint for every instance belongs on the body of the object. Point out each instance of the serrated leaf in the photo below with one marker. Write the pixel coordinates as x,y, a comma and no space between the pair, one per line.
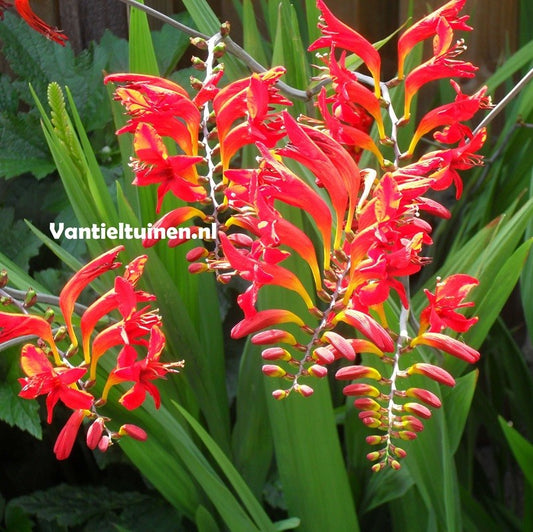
18,412
16,240
69,505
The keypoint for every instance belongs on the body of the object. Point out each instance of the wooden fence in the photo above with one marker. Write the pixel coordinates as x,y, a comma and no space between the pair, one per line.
496,21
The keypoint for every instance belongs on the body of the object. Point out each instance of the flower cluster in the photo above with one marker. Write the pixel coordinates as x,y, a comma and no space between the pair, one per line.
52,372
364,239
369,231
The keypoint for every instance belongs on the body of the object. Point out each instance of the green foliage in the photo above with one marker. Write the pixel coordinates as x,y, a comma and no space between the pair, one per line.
95,508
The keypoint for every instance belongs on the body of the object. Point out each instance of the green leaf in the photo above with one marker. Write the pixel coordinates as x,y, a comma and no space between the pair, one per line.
250,502
69,506
494,292
17,412
16,240
457,401
385,486
252,38
205,522
207,22
521,448
142,54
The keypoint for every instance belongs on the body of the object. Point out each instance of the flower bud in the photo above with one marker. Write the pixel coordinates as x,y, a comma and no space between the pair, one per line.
280,394
366,403
374,455
104,444
341,344
197,267
94,434
199,43
424,395
276,353
30,298
271,370
361,389
225,29
417,409
196,253
433,372
4,279
357,372
375,439
273,336
316,370
394,464
49,315
303,390
133,431
197,63
376,468
323,355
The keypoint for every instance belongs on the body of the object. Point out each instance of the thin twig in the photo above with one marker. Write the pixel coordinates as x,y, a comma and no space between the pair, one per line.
501,105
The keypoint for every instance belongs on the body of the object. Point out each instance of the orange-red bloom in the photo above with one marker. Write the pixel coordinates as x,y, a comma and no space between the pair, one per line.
26,12
56,383
67,436
336,34
448,297
437,24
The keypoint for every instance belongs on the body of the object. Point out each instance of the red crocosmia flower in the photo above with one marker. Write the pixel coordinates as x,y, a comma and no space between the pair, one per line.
26,12
336,34
278,182
110,301
56,383
131,329
347,134
368,326
174,173
173,218
438,67
463,108
262,319
429,27
65,441
74,287
17,325
251,100
143,372
448,297
461,158
350,92
448,345
161,103
262,273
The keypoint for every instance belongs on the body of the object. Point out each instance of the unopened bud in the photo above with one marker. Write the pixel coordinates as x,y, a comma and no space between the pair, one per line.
60,334
6,300
374,455
376,468
225,29
219,50
30,299
94,434
375,440
303,389
196,84
276,353
316,370
271,370
104,443
323,355
196,253
240,239
4,279
273,336
200,43
394,464
198,63
197,267
133,431
280,394
49,315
